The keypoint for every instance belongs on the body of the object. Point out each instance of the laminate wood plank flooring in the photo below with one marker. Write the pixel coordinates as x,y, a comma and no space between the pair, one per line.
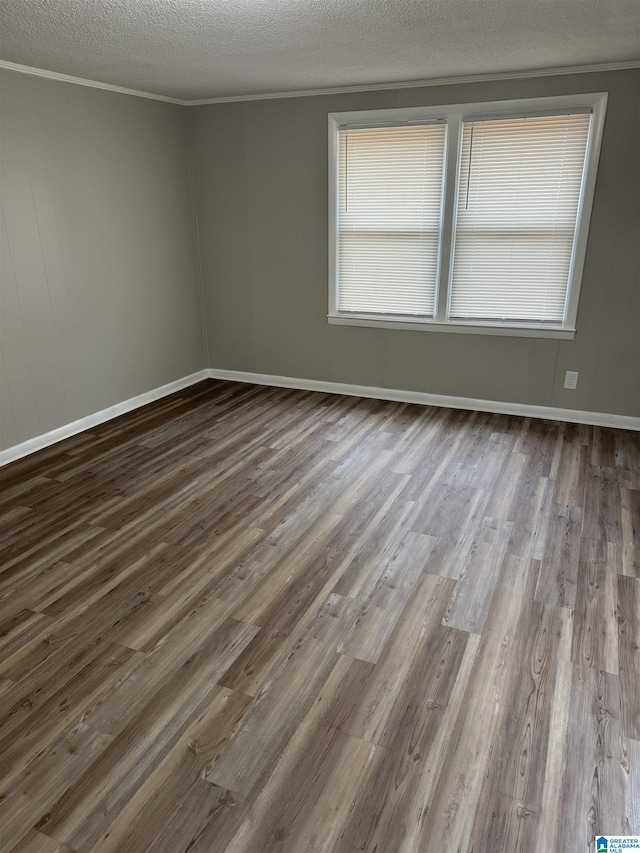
252,619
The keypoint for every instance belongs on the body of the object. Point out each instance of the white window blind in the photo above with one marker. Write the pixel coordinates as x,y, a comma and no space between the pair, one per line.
389,211
519,192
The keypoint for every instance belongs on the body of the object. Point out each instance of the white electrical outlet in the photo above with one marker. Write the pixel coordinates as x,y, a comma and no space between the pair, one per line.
571,380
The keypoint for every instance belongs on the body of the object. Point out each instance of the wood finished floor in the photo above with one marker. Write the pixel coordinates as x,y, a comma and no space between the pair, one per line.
249,619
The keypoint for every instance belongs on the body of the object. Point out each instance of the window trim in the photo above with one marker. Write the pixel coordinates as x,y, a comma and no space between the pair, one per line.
454,115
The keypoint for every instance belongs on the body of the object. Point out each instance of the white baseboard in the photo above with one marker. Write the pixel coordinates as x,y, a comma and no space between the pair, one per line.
421,398
41,441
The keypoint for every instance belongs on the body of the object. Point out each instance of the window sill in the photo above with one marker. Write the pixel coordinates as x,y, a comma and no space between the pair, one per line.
422,324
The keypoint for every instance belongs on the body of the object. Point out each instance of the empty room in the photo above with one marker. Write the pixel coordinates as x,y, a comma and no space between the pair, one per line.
319,426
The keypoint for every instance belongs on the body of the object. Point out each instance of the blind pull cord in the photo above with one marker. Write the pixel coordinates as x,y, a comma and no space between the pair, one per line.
346,172
466,207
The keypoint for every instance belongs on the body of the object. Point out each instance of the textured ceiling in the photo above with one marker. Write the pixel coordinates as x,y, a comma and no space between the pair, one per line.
210,48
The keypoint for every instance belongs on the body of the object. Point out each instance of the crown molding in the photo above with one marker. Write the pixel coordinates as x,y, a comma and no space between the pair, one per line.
417,84
81,81
332,90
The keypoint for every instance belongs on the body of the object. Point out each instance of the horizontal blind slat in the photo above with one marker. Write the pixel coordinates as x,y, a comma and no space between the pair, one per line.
389,208
518,198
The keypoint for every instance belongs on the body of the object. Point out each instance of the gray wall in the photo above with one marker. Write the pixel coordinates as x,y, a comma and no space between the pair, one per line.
261,194
100,299
99,290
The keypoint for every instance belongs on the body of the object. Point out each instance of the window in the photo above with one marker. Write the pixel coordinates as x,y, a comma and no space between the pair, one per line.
389,218
468,218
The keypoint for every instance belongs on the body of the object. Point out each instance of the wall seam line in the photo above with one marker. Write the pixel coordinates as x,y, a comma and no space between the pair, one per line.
196,228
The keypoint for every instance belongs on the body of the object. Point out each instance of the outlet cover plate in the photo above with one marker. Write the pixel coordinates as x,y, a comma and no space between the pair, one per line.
571,380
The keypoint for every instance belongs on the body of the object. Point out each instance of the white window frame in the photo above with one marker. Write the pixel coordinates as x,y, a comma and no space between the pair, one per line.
454,115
